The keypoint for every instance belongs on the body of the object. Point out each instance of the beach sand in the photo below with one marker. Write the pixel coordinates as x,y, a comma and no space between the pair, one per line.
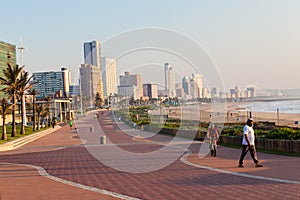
228,112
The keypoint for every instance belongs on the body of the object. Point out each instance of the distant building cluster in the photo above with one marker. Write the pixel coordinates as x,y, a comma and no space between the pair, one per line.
98,78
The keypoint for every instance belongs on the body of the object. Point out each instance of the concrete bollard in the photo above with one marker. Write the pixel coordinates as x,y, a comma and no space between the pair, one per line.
102,139
91,129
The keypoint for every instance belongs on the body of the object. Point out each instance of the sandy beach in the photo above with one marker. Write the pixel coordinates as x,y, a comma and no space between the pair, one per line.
227,112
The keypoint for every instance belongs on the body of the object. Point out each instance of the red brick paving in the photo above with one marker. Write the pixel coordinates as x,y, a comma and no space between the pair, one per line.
22,182
176,181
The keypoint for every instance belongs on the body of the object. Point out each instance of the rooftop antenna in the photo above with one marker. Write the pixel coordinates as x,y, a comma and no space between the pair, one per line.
21,49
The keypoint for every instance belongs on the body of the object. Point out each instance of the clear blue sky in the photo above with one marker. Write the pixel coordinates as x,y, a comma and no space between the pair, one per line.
252,42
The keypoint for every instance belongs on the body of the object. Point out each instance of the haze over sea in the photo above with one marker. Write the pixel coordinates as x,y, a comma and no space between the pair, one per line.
286,106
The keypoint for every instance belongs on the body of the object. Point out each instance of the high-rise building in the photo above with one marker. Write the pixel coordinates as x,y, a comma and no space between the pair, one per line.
90,82
109,76
196,86
179,90
170,80
129,80
49,83
186,87
129,91
215,93
92,53
7,55
74,90
205,93
150,90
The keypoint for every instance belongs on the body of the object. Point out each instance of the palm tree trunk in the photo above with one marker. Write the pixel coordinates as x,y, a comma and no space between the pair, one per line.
4,136
22,113
14,128
33,110
38,124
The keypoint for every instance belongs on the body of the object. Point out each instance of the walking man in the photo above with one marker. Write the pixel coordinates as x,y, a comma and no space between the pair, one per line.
248,143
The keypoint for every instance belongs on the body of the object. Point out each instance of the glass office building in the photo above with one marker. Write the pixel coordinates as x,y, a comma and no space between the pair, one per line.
7,55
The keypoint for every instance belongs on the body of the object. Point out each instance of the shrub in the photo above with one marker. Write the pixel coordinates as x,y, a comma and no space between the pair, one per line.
284,133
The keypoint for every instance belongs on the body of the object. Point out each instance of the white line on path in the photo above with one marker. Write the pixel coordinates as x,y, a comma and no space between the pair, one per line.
43,173
184,160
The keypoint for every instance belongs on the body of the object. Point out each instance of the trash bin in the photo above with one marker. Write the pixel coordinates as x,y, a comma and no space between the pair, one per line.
91,129
102,139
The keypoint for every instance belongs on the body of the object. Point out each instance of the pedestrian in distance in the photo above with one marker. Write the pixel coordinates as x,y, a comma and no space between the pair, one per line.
213,136
70,123
248,144
53,123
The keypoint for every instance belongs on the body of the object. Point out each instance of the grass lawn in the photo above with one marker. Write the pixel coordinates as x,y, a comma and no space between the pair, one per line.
28,131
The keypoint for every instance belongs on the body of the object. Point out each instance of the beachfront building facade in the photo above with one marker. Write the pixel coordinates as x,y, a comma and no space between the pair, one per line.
128,91
150,90
109,76
7,55
52,83
133,81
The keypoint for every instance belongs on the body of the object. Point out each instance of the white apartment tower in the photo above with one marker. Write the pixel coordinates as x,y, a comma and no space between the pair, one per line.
92,53
170,80
196,85
109,76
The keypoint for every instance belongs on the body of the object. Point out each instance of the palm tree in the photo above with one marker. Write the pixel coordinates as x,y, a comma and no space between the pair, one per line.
39,109
33,92
23,86
10,80
44,114
48,105
98,100
4,108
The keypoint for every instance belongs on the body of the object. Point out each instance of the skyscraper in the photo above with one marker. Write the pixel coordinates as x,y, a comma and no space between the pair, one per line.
90,82
170,80
109,76
196,85
90,71
92,53
186,86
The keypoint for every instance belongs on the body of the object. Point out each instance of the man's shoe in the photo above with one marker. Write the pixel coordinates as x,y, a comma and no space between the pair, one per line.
258,165
241,165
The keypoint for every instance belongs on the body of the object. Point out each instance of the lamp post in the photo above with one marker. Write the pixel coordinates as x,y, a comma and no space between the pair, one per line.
277,116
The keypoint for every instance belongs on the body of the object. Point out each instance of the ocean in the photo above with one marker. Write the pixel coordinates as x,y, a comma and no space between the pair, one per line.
286,106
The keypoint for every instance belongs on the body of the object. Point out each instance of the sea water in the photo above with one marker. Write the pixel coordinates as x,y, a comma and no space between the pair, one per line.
286,106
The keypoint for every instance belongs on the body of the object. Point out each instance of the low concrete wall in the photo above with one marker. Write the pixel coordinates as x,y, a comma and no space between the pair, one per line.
26,139
291,146
197,135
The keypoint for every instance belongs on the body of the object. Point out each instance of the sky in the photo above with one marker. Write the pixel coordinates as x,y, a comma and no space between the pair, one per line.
250,42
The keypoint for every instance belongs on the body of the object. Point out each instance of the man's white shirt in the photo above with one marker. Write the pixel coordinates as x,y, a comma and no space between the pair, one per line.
248,130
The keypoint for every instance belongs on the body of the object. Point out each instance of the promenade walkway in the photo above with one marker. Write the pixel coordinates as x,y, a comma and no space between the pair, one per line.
70,171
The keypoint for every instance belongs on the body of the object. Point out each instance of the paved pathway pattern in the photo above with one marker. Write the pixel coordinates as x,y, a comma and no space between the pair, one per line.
62,155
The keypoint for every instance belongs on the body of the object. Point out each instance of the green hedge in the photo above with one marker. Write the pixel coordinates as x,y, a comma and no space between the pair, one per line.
277,133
